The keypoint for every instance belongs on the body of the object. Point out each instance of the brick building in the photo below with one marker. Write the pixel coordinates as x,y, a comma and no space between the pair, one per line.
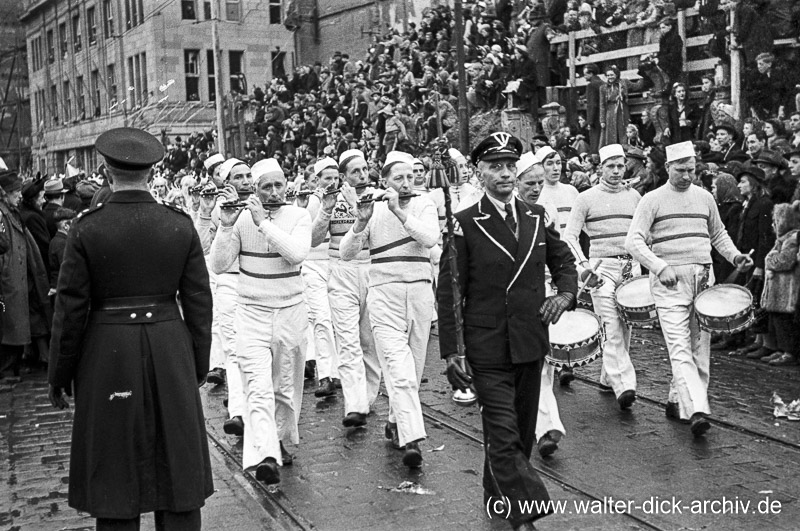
99,64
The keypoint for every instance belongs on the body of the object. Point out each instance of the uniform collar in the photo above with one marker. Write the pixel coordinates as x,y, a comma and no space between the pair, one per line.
131,196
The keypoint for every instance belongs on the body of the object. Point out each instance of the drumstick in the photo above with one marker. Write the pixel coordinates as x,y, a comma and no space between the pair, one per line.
586,284
736,271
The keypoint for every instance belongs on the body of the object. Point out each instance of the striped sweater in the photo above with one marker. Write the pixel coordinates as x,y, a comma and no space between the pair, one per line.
318,252
562,197
207,230
335,226
399,252
269,255
605,216
681,227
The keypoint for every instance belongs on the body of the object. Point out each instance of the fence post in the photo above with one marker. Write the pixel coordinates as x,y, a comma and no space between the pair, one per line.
736,71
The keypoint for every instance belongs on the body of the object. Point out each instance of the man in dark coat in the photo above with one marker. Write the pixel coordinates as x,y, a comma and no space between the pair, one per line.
670,48
503,246
593,84
133,359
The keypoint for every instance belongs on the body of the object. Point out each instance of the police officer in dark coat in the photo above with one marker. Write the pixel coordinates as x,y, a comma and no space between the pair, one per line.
133,359
502,247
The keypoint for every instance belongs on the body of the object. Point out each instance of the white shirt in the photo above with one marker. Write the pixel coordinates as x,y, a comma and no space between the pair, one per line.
501,207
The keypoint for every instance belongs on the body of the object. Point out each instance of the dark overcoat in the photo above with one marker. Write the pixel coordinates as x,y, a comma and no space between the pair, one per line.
139,441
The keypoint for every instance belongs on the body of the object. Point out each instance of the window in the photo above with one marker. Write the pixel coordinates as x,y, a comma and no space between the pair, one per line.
92,25
131,92
278,64
212,80
67,102
36,53
274,11
95,92
143,79
137,75
76,33
133,13
188,10
235,63
108,19
62,36
51,51
192,74
111,86
54,104
207,10
233,10
80,97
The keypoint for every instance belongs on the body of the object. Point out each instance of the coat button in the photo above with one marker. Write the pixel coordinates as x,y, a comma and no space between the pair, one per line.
133,316
149,315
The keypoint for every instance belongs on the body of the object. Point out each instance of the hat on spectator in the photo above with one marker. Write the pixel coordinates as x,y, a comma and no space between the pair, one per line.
635,153
266,168
324,164
226,167
679,151
496,146
63,213
609,152
85,189
127,148
32,188
397,157
771,157
10,181
544,152
793,153
591,67
53,187
212,161
455,154
752,170
726,127
347,156
526,162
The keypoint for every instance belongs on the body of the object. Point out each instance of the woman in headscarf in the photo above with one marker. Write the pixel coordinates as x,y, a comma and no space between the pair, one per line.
614,111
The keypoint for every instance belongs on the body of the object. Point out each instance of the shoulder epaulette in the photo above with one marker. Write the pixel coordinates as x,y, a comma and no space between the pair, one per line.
83,213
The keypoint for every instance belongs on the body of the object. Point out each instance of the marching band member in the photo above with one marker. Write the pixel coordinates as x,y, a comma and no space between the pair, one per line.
359,368
420,184
400,233
561,196
270,243
605,212
503,246
681,223
315,274
549,428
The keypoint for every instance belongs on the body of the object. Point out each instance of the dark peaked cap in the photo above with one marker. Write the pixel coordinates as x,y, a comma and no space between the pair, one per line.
126,148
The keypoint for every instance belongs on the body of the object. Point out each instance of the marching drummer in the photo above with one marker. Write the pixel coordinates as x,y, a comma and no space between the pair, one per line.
681,222
605,212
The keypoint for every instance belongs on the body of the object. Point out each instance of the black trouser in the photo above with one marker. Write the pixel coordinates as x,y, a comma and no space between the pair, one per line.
165,521
509,399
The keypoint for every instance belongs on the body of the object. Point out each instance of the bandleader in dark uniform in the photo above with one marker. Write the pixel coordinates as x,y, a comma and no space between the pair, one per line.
502,247
133,359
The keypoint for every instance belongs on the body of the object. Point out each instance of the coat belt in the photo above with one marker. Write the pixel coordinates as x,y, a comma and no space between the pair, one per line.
135,310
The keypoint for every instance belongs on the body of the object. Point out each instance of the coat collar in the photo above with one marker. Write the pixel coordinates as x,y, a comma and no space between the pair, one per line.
528,231
131,196
492,225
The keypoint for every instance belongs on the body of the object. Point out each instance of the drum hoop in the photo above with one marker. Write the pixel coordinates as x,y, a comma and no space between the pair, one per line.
593,337
598,353
737,315
635,308
748,309
626,282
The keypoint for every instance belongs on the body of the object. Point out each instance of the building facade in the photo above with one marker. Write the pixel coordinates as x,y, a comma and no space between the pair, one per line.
99,64
15,124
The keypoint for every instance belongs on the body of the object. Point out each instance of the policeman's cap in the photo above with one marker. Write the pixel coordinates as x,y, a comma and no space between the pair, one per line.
497,146
126,148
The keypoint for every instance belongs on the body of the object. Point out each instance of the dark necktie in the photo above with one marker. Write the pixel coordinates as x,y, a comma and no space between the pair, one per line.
510,218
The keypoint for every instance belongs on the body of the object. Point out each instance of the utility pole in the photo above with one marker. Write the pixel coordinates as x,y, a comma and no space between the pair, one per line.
736,70
218,77
463,114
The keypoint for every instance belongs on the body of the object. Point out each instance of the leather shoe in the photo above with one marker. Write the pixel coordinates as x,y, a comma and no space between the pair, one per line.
267,471
672,411
216,376
565,376
784,360
412,457
775,355
626,399
234,426
758,354
311,369
354,420
337,383
326,388
700,424
547,444
286,457
390,431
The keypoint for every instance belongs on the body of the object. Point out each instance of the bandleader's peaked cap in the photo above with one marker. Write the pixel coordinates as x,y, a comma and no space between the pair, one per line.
127,148
496,146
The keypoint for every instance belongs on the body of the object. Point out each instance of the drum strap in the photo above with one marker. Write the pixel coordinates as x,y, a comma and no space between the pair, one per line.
627,267
703,285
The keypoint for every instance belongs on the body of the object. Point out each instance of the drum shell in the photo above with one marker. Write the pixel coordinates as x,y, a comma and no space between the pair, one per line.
580,353
636,316
737,322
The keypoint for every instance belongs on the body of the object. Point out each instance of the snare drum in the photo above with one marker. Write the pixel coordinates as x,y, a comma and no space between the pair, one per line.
576,340
635,302
585,300
724,308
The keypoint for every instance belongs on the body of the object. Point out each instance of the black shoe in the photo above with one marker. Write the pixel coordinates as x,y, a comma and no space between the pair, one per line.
354,420
286,457
412,457
267,471
626,399
390,431
225,402
234,426
216,376
547,444
700,424
337,383
673,411
565,376
326,388
311,369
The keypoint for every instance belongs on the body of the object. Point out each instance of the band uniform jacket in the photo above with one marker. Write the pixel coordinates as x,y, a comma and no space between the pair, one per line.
502,283
139,442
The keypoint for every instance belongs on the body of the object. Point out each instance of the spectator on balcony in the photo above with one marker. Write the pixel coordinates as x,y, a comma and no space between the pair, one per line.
726,138
682,116
670,49
593,117
752,30
614,111
705,124
767,88
538,46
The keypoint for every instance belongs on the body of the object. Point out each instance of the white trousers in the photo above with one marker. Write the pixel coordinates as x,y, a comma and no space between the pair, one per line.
401,313
359,368
548,418
689,346
217,357
315,292
270,344
617,369
225,303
